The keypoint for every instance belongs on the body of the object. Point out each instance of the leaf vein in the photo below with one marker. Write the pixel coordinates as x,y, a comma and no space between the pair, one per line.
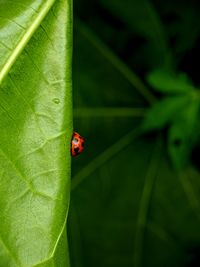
144,204
25,38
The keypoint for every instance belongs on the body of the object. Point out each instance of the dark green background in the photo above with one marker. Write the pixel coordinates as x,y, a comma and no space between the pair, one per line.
129,206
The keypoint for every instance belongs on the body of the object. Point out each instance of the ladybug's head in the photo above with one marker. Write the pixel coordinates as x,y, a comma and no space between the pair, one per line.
77,144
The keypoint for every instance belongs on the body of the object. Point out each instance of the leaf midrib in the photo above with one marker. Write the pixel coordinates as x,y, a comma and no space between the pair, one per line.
25,38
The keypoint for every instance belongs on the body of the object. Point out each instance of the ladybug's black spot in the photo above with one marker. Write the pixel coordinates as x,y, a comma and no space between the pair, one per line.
76,150
82,144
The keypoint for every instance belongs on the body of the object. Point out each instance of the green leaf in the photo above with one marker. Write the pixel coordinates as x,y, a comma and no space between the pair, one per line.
36,128
141,17
169,83
129,207
164,112
184,27
183,134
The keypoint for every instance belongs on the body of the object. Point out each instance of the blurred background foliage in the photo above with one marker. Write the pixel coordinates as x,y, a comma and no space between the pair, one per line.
135,197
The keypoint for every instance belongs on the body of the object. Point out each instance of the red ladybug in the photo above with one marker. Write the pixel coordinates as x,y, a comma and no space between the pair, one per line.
77,144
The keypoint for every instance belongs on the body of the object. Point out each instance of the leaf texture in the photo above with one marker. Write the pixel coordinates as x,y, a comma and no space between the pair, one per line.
129,207
36,128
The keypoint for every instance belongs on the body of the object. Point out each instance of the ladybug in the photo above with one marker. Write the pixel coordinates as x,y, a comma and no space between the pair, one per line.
77,144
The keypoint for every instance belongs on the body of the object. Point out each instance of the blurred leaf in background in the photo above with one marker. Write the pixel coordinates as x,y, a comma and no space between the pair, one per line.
179,110
130,206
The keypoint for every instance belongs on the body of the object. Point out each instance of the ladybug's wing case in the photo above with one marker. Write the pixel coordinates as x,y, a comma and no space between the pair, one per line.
77,144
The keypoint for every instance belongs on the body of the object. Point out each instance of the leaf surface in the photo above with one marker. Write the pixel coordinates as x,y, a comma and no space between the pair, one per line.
169,83
164,112
129,207
36,128
141,17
